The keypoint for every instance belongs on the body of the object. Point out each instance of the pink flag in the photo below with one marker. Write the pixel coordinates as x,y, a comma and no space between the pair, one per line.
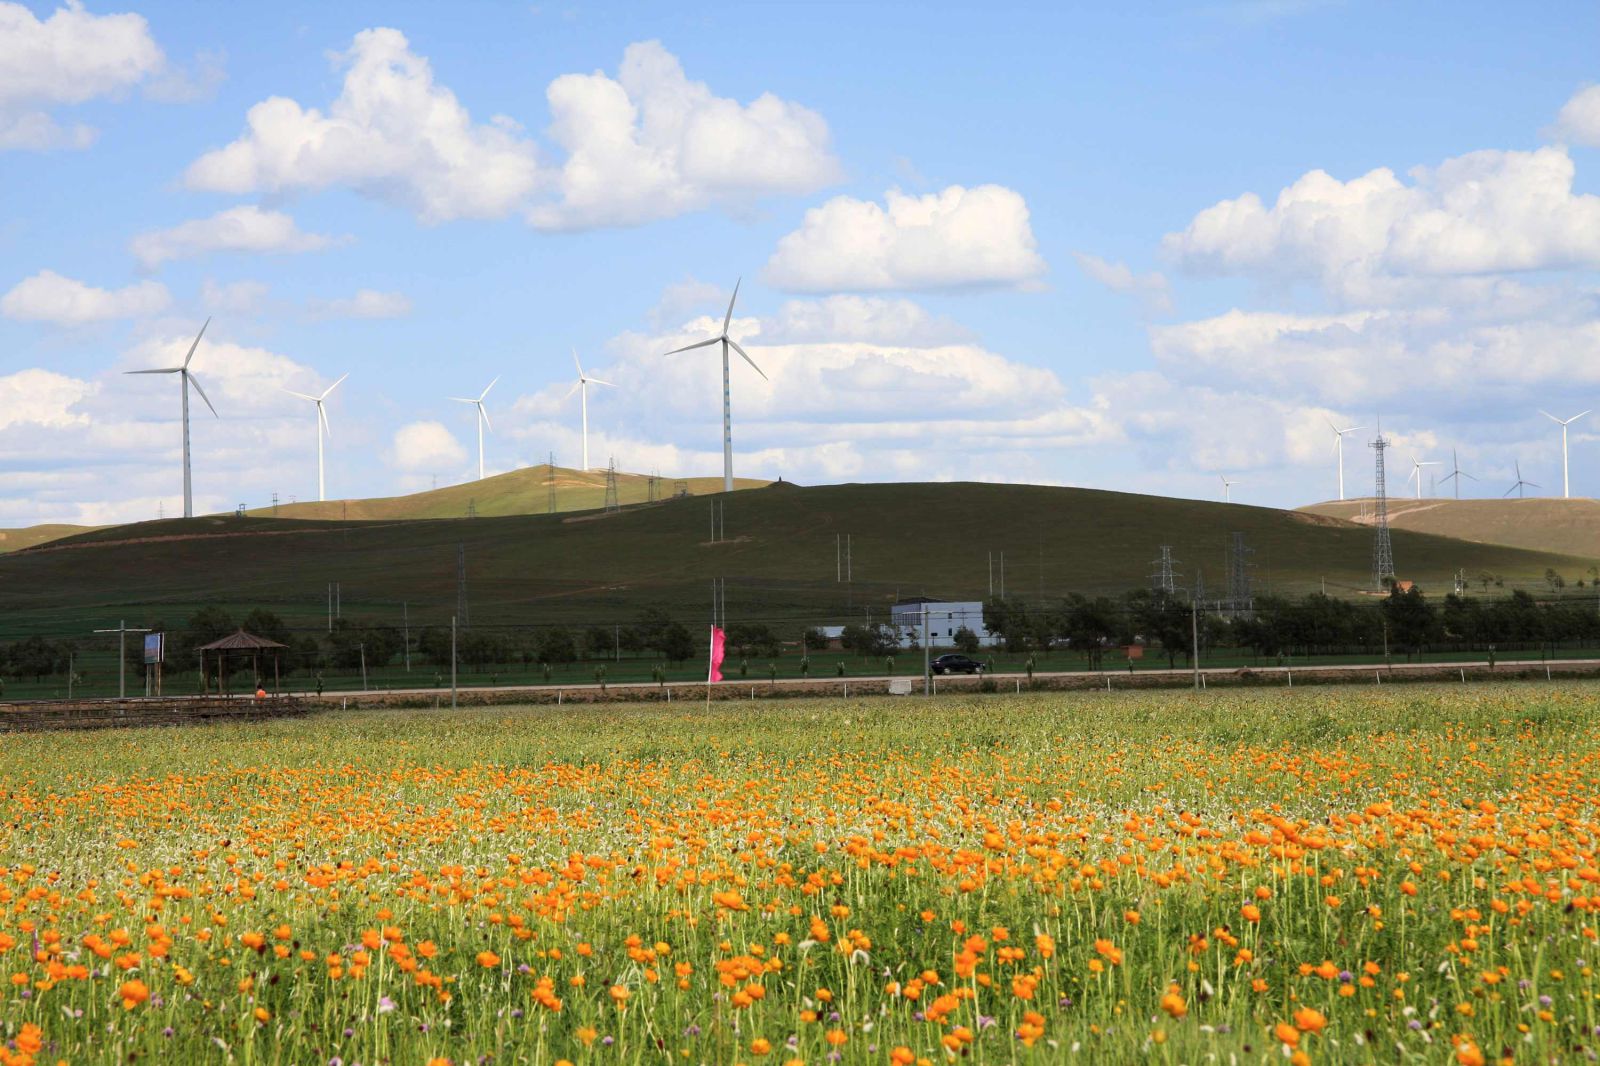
717,641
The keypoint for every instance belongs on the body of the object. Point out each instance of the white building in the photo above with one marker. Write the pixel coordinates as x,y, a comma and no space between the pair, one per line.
944,618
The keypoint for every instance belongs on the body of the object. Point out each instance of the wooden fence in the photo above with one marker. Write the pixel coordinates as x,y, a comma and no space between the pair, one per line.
117,714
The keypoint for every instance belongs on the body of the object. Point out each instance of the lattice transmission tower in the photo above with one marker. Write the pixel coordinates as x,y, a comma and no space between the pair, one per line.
611,487
1382,549
1239,596
1164,578
550,484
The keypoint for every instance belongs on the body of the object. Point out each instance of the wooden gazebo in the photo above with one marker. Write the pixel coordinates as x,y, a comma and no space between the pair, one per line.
240,643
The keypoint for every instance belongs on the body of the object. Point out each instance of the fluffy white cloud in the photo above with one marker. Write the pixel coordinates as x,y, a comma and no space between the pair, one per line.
238,229
1151,289
68,58
652,144
426,446
855,386
1364,240
1579,120
956,238
50,297
393,134
39,397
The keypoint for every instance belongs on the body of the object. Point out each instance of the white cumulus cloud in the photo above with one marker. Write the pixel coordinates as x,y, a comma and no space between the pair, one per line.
1364,240
959,237
1579,119
50,297
426,446
40,397
652,144
393,134
68,58
238,229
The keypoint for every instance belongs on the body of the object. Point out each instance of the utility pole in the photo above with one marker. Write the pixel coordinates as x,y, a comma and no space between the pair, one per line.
363,648
838,559
405,614
122,632
927,670
330,607
1194,630
452,662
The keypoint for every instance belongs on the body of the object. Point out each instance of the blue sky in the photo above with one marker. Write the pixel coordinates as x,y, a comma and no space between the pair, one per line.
997,242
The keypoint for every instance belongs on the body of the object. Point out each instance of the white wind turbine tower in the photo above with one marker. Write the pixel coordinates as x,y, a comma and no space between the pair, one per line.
1563,423
1227,487
186,378
322,426
582,386
727,404
1456,473
1338,447
483,420
1416,471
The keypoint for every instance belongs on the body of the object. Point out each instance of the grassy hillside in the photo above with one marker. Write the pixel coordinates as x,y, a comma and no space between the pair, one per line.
525,491
16,539
519,492
778,560
1567,527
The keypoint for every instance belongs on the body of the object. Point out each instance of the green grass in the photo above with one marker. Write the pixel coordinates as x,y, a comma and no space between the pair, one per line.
1086,858
778,560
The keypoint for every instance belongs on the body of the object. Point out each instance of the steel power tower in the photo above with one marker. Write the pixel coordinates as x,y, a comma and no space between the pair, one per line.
1382,549
1164,579
611,487
1239,598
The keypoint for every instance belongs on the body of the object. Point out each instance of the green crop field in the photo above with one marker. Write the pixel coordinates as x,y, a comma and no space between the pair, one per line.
1395,875
778,558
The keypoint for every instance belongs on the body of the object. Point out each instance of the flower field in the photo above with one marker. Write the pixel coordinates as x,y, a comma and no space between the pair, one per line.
1348,875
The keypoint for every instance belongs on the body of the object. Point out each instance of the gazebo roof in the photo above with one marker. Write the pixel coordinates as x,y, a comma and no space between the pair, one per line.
241,641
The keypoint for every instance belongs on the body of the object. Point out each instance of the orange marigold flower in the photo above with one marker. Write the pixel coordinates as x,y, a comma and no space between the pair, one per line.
488,959
1310,1020
1286,1034
132,993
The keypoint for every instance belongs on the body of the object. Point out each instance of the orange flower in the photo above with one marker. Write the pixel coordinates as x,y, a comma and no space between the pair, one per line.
488,959
1286,1034
1310,1020
132,993
1251,912
836,1037
1173,1003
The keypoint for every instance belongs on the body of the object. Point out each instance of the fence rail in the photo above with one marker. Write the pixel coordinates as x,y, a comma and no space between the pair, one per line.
145,711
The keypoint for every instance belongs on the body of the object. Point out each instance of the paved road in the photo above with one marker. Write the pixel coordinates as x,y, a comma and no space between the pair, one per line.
878,682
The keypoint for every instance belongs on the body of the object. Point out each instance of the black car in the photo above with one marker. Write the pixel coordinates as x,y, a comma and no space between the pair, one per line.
956,664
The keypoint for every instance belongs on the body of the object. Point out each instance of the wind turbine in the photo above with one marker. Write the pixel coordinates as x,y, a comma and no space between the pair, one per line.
322,426
186,378
1518,487
1226,486
1456,473
727,404
1416,472
1338,446
1563,423
483,420
582,386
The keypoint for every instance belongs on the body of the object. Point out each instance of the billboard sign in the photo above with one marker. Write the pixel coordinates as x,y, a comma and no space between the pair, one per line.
155,647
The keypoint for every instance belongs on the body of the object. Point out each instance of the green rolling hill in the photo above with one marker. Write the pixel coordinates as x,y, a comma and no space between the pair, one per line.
778,559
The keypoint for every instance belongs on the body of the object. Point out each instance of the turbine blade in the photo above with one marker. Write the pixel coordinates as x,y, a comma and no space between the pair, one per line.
485,392
1550,416
191,379
597,381
1574,418
459,399
303,396
169,370
322,413
335,385
484,411
196,343
729,316
580,365
692,347
575,387
1463,473
749,360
